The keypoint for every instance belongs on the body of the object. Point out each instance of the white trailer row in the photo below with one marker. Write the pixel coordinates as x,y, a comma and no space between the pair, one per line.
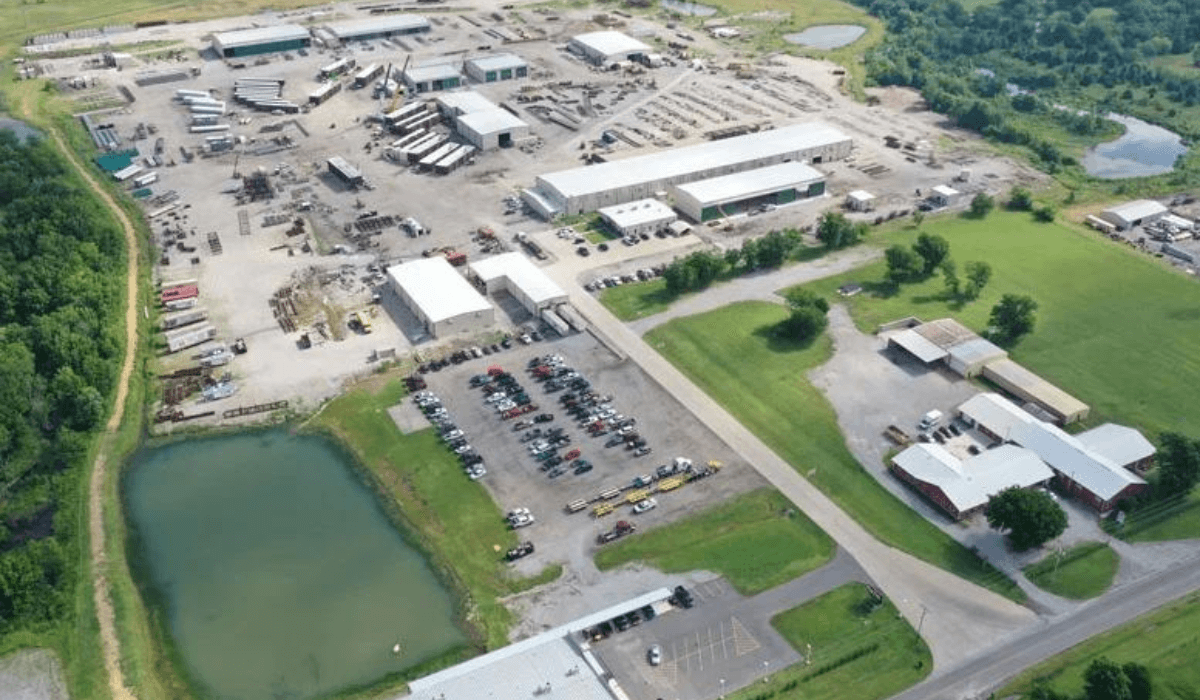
184,338
424,147
208,128
455,160
145,180
125,173
364,77
436,155
184,318
555,321
408,110
424,120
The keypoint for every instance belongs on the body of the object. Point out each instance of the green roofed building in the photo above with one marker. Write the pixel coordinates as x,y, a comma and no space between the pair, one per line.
251,42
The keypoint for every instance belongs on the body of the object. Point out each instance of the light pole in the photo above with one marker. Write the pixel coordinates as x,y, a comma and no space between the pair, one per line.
766,670
921,624
722,688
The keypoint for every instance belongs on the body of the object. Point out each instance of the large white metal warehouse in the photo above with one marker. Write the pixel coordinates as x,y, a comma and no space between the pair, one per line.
379,27
607,47
491,129
440,297
588,188
727,194
514,273
1135,213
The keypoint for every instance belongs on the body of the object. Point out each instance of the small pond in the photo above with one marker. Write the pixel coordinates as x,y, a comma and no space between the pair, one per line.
1144,149
280,575
828,36
689,8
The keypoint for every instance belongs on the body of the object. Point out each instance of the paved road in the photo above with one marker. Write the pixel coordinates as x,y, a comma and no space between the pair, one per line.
760,286
979,676
956,618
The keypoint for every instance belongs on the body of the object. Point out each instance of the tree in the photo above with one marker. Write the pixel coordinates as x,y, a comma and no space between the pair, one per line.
1104,680
1178,464
808,317
1045,214
1013,316
932,250
903,264
836,231
1031,517
950,277
918,218
1140,687
982,205
1020,199
978,275
733,256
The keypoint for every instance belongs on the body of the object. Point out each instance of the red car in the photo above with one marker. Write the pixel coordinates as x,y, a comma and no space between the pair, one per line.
573,454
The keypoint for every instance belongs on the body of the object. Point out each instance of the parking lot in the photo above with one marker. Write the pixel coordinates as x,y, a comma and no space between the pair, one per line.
516,479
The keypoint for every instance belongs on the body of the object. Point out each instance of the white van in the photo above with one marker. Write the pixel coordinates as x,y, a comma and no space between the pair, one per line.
930,420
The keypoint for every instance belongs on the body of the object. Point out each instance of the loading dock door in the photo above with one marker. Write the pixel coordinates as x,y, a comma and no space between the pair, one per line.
505,140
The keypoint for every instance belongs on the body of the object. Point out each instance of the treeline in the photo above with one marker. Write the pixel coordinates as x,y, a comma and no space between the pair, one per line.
963,62
701,268
61,272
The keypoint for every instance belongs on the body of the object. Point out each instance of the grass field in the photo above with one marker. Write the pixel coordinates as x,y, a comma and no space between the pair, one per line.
857,652
731,354
453,518
1081,572
758,541
1114,328
630,302
1171,519
1165,641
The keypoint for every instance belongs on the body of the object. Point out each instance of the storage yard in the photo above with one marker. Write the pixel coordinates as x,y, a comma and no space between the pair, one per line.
288,164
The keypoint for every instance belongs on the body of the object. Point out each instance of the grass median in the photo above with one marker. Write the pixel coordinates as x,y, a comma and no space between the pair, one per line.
732,354
1164,640
757,541
858,646
1081,572
453,519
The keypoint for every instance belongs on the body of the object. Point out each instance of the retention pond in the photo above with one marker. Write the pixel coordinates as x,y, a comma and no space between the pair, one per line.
827,36
1144,149
279,573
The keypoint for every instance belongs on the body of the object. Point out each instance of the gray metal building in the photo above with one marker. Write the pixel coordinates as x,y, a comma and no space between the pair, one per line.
501,66
379,27
251,42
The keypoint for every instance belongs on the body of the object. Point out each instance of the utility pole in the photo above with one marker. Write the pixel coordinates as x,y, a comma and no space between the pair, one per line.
921,624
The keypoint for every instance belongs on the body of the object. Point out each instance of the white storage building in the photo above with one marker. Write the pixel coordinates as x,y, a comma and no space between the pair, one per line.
963,487
491,129
730,194
515,274
379,27
432,77
1136,213
607,47
945,196
635,218
589,188
501,66
440,297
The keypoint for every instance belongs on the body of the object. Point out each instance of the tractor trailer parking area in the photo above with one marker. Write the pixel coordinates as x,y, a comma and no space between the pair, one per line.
515,477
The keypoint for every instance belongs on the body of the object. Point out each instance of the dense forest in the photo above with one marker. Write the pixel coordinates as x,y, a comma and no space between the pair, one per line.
1010,68
61,276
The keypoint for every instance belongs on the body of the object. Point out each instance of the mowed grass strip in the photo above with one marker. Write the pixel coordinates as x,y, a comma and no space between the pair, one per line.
630,302
859,650
1165,640
1174,519
732,354
454,518
1081,572
1115,328
758,540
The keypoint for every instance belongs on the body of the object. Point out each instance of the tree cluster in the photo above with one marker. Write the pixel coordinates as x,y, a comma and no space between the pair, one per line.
1105,679
807,318
61,272
1178,465
1031,517
836,231
918,262
700,269
1012,317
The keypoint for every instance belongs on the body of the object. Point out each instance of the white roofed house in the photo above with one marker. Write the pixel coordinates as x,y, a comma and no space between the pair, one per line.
1083,471
963,487
603,48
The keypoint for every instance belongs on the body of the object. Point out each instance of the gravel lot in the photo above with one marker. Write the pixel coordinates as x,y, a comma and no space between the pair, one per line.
32,674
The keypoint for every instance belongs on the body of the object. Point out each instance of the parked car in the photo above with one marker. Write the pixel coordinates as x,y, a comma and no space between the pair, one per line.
544,418
522,550
641,451
645,505
654,655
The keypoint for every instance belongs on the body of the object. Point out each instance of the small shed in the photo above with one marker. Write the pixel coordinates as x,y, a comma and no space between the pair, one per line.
945,196
860,200
642,216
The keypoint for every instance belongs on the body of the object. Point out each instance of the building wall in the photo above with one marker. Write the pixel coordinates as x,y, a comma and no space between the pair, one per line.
269,47
492,76
491,141
707,211
1065,485
933,493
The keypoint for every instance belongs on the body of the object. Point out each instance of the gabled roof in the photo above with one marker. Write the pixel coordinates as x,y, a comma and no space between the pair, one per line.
969,484
1121,444
918,345
995,413
437,288
522,274
1072,458
1137,209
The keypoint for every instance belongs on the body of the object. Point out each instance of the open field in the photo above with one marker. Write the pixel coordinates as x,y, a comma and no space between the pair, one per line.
629,302
757,541
1113,327
453,518
1174,519
1165,641
1081,572
732,354
855,653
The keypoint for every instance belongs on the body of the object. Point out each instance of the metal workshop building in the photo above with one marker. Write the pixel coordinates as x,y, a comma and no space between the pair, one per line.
379,27
348,173
441,298
1136,213
432,77
501,66
607,47
1027,386
589,188
962,487
646,216
251,42
731,194
515,274
480,122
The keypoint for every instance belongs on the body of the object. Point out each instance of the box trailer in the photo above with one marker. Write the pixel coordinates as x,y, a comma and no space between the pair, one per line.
555,321
184,338
125,173
364,77
144,180
437,154
324,93
184,318
457,157
338,67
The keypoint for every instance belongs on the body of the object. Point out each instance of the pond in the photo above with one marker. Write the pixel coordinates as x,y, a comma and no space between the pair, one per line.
689,8
828,36
1144,149
280,575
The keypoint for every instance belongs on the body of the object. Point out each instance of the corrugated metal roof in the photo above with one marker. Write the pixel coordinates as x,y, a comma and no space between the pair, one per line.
751,183
918,345
522,274
1012,376
440,292
378,25
679,162
610,43
1072,458
431,71
260,35
969,484
1120,444
490,121
995,413
498,61
640,212
1137,209
976,350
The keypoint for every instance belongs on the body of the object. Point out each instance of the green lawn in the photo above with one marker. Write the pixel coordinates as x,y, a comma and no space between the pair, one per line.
1114,328
757,541
630,302
732,355
452,518
1081,572
857,651
1164,640
1173,519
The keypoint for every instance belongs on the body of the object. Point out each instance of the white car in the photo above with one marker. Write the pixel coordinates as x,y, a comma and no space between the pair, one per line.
452,435
476,471
520,517
645,505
